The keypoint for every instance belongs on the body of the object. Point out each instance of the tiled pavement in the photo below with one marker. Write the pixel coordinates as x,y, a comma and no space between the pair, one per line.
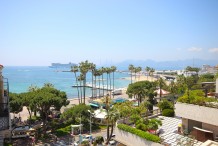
168,132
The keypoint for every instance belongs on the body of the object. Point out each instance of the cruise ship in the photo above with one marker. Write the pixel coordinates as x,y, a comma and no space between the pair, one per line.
60,65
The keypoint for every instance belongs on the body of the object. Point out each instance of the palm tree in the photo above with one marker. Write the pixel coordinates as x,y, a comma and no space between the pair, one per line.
32,88
92,68
80,78
107,106
113,69
147,69
99,82
102,70
173,89
110,70
50,85
75,70
131,68
95,73
138,70
152,70
161,83
107,70
84,68
112,117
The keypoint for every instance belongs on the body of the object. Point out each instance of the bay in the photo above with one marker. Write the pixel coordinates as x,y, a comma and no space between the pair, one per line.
22,77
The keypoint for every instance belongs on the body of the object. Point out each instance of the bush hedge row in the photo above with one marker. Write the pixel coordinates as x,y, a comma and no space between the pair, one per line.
139,133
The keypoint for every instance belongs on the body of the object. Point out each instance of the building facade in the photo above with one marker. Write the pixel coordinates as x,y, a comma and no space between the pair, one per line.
4,108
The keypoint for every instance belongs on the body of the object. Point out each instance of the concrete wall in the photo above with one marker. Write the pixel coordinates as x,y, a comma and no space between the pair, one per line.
130,139
197,113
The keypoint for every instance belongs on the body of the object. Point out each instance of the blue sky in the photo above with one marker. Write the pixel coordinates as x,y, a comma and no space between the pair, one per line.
44,31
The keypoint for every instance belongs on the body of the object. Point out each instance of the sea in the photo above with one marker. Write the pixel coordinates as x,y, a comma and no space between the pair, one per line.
20,78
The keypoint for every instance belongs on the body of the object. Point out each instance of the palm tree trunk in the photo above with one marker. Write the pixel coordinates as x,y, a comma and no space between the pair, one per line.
113,84
77,88
108,128
107,82
112,130
84,90
110,84
131,77
92,85
99,90
80,91
95,88
103,82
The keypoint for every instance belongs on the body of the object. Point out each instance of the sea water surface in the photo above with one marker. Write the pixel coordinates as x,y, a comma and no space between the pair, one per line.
21,78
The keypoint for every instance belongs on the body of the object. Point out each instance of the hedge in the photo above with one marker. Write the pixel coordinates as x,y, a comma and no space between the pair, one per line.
140,133
168,112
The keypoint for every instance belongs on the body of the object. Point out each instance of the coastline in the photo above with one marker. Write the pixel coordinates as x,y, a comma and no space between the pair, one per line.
74,101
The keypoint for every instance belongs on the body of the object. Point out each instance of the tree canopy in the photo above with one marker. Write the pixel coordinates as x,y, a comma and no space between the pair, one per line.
142,90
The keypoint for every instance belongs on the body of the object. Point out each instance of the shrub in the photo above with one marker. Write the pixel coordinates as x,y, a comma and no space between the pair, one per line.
168,112
99,140
142,127
85,143
165,104
63,131
140,133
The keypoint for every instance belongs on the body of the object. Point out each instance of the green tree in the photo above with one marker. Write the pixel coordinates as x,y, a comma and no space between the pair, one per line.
142,89
161,83
84,68
152,70
113,69
125,109
102,71
207,78
165,104
80,78
75,69
112,117
74,114
15,103
27,100
47,97
153,124
92,68
195,69
131,68
147,69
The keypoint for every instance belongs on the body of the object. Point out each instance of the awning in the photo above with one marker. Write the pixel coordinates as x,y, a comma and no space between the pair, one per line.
92,104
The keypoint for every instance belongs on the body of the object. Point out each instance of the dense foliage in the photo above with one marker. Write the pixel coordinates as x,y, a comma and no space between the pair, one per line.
168,112
40,100
165,104
197,97
75,114
63,131
139,133
142,90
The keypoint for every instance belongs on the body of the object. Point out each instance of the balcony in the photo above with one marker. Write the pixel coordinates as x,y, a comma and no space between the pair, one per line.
4,107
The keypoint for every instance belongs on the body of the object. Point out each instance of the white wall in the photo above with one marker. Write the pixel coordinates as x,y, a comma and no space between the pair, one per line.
130,139
197,113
